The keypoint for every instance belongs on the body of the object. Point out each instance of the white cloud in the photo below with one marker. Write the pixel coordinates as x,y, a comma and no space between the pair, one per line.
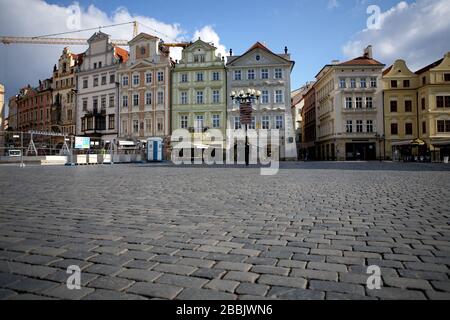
332,4
418,33
26,64
208,34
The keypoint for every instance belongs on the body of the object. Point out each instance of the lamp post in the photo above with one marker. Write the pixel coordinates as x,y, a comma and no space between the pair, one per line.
380,138
245,99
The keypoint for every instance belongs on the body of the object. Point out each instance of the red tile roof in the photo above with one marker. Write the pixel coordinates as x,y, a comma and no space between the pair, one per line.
361,61
430,66
121,53
386,71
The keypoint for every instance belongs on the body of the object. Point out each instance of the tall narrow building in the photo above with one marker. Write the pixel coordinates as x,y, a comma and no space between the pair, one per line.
261,69
144,94
97,90
63,113
349,109
199,93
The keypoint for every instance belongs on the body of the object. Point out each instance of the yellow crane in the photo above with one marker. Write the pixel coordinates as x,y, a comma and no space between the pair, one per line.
51,40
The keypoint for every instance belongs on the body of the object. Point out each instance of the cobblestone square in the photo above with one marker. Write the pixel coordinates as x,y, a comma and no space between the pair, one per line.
198,232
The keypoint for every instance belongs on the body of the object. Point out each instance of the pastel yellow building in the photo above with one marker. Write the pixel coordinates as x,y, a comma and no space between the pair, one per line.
417,111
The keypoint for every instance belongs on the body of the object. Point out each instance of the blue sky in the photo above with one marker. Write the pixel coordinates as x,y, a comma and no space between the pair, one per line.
315,31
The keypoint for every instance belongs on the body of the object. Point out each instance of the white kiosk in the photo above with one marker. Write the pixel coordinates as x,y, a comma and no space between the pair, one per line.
155,149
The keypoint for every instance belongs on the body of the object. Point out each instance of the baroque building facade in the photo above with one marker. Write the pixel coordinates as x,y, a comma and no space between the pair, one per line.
417,111
144,90
63,111
98,91
261,69
199,93
349,112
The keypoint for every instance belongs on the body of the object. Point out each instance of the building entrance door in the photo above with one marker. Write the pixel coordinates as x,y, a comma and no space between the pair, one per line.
360,151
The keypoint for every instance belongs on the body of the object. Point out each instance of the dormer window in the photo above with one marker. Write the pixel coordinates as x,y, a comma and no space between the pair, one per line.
199,58
142,50
447,77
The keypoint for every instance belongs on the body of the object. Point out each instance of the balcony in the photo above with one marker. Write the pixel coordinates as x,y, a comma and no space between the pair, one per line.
357,110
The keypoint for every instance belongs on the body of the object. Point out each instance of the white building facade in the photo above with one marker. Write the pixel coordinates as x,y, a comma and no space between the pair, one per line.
261,69
349,109
98,91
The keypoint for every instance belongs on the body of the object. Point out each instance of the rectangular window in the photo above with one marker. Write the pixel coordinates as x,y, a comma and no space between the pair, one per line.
251,74
424,80
85,104
100,64
111,122
160,124
216,121
112,78
237,123
373,82
199,58
103,102
183,122
279,122
103,80
408,129
135,79
125,80
353,83
148,77
237,75
358,102
148,98
362,83
348,103
394,106
135,126
349,126
112,101
265,122
406,83
359,126
424,127
447,77
95,104
199,97
441,126
393,83
408,106
369,126
265,97
216,76
447,125
184,77
279,96
124,127
394,129
95,81
184,97
160,97
125,101
160,76
199,123
423,103
148,125
252,125
199,76
342,83
278,73
135,99
216,96
264,73
369,102
440,101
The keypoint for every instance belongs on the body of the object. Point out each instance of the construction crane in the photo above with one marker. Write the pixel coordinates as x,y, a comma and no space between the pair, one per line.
51,40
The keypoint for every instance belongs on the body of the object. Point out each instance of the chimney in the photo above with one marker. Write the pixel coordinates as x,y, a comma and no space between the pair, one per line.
285,50
231,52
368,52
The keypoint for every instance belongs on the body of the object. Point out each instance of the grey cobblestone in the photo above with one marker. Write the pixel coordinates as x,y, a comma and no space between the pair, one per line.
312,240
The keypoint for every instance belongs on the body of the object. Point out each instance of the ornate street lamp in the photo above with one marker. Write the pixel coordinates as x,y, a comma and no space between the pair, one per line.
245,99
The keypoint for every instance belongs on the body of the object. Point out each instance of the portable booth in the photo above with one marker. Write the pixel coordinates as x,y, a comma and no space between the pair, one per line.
155,148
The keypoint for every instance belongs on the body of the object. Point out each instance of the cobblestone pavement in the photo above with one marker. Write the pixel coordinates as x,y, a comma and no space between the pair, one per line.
143,231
